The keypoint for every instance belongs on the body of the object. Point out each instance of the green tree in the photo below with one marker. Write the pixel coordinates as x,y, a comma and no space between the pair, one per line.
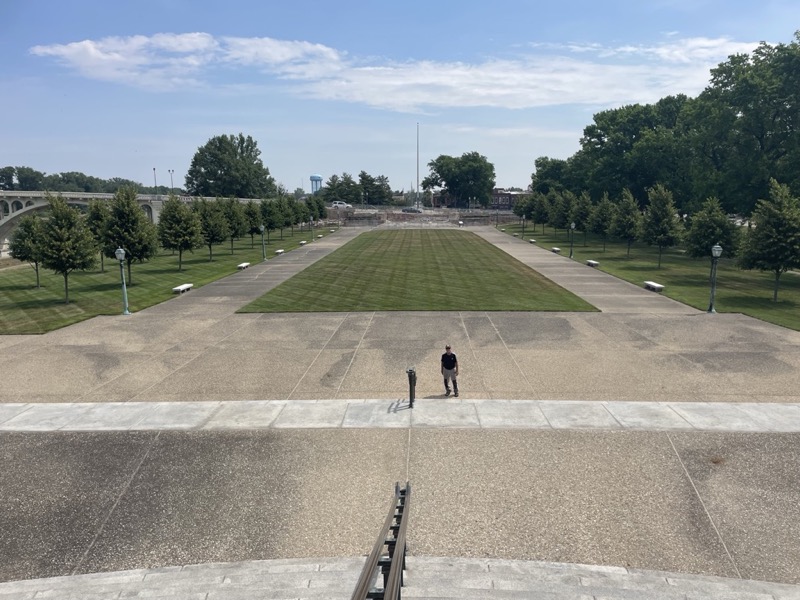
773,244
626,223
179,228
600,220
541,209
661,226
285,213
29,179
580,212
213,224
711,226
270,216
7,178
26,243
465,179
252,219
560,206
97,220
67,244
229,166
234,215
130,229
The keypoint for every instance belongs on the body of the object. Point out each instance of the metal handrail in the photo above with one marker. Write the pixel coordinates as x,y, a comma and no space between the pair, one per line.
398,511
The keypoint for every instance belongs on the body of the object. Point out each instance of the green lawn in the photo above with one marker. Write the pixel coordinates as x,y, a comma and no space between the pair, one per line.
685,279
25,309
416,269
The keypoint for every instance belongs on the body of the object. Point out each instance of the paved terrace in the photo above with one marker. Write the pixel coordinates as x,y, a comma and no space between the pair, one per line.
649,435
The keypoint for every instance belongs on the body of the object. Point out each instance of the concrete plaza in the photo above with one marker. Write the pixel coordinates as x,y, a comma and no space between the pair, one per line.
647,435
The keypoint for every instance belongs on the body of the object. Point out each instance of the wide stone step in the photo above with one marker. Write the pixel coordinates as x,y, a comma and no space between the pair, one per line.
436,577
426,577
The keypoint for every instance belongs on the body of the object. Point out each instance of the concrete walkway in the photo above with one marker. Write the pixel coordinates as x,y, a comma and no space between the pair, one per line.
446,413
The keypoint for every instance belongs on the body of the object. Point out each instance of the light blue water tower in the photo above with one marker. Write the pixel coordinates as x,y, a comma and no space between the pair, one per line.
316,183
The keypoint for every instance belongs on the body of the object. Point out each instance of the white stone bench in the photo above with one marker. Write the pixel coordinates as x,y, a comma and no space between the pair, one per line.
302,242
555,250
593,263
242,266
652,285
516,235
319,236
279,251
184,287
532,241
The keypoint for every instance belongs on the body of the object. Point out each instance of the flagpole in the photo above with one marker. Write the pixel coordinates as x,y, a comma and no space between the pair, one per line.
417,188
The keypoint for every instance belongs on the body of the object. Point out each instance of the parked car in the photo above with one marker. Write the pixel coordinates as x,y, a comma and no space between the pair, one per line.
412,209
340,204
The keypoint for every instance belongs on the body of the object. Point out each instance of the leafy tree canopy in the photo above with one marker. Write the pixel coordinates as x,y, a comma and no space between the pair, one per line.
229,166
464,179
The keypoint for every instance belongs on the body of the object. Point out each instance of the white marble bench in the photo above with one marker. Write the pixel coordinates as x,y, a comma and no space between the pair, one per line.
184,287
302,242
652,285
279,251
555,250
532,241
593,263
242,266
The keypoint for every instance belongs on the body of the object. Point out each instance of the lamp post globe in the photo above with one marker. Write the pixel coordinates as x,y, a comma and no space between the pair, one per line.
120,254
716,252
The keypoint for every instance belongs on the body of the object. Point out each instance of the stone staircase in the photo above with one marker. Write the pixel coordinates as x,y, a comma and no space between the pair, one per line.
426,577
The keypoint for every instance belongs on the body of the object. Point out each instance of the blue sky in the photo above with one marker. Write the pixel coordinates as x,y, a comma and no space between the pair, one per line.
116,88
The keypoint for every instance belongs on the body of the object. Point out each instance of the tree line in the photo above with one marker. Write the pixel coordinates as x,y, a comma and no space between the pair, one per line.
64,239
770,240
729,142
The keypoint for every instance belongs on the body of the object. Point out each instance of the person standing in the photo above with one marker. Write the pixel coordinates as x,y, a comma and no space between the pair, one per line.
450,370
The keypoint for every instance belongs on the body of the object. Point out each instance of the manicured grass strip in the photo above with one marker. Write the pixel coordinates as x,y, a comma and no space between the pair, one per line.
685,279
417,269
24,309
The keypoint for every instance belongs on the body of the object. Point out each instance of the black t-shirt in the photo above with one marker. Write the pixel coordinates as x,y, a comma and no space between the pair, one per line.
449,361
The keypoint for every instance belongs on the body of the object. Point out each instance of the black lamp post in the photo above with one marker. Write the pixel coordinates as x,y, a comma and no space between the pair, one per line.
171,184
571,237
716,252
523,227
120,254
263,249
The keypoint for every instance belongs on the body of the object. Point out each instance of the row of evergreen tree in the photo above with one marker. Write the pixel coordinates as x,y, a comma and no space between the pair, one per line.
770,242
64,239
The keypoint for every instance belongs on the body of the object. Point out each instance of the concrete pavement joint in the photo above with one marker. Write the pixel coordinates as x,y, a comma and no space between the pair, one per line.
321,350
705,508
358,346
116,503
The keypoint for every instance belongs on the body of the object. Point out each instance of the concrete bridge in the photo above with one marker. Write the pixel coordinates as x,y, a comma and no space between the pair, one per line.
15,204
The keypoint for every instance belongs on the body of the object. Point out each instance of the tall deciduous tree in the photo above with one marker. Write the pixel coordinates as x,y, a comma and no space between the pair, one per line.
711,226
270,216
464,179
97,220
130,229
773,244
213,224
26,243
179,228
252,218
67,244
600,220
229,166
234,215
661,226
627,221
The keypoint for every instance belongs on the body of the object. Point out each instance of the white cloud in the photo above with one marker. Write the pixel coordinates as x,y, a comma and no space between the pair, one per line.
547,75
